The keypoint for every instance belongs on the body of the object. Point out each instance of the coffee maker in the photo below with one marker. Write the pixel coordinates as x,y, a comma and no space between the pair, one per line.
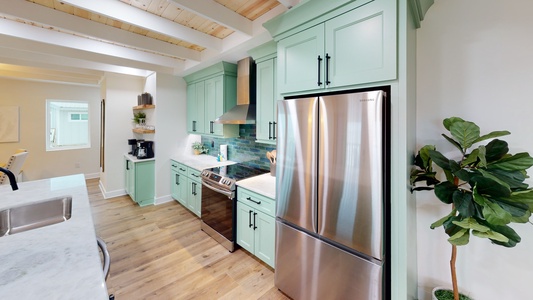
133,144
145,150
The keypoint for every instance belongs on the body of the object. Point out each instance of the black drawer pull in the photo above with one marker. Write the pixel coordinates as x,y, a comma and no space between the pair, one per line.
250,199
255,227
182,169
250,219
319,63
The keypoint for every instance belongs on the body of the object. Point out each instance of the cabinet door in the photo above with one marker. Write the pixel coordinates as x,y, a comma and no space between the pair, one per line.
129,184
174,184
361,45
179,187
196,107
214,108
265,237
144,174
194,197
300,61
266,98
245,227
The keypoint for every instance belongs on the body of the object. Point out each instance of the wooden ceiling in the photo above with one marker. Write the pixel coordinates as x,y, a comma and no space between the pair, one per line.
131,36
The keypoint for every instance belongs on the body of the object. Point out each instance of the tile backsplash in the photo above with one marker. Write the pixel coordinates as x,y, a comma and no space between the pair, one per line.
242,149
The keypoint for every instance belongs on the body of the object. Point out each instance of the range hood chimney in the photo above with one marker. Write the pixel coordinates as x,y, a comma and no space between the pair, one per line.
244,111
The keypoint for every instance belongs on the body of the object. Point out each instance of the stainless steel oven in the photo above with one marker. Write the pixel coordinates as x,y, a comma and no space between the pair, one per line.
219,198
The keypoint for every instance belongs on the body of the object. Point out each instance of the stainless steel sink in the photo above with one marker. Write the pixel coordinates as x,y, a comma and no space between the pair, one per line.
35,215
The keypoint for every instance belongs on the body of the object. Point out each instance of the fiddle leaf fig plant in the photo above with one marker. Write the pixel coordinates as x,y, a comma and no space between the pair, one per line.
483,184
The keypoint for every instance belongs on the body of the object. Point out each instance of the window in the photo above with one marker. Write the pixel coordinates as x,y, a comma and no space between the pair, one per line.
67,125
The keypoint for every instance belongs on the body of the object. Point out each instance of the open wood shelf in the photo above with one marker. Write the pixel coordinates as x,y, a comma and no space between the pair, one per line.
140,130
144,106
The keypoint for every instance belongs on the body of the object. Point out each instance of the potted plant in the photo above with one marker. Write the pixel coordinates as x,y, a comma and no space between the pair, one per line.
483,184
139,117
199,148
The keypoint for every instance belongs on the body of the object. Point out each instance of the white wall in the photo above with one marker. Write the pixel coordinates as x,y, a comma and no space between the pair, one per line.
31,97
171,132
120,93
475,61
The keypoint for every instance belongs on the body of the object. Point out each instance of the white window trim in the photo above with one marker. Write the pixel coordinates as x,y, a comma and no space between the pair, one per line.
47,127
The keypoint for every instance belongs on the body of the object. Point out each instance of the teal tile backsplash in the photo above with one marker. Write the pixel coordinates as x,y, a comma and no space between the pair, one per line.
243,149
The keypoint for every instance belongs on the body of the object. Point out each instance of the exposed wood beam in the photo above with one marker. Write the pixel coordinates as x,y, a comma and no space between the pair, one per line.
29,32
132,15
40,14
11,71
217,13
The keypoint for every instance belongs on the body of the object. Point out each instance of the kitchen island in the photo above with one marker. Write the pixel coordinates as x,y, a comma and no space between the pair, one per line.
59,261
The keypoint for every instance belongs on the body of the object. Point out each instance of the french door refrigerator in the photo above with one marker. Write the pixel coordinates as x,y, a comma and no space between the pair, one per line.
332,197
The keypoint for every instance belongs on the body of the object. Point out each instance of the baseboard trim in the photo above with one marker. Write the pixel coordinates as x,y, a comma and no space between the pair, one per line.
110,194
164,199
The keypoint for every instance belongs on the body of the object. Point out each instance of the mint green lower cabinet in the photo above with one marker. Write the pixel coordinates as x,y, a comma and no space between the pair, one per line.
186,186
256,230
140,181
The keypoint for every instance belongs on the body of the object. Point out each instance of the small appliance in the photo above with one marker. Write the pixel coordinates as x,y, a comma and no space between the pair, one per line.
145,150
133,144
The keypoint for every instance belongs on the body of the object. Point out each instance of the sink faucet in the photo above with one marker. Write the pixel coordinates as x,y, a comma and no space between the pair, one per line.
12,180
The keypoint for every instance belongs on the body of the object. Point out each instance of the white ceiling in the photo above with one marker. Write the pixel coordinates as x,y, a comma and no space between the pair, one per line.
42,43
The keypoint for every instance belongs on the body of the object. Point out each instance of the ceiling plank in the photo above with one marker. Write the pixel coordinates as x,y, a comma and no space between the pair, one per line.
40,14
217,13
132,15
290,3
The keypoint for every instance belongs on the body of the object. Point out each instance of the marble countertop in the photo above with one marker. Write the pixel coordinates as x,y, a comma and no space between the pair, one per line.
264,184
59,261
200,162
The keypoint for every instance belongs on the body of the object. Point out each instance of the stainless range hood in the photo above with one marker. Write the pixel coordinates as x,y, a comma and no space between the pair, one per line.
244,111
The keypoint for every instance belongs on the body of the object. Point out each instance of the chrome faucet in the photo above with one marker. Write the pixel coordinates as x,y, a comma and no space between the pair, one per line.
12,180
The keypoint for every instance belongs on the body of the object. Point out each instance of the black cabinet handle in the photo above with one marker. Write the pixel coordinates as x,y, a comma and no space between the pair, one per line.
269,130
174,166
274,130
127,164
182,169
194,188
211,127
177,179
319,63
195,175
193,125
327,69
255,227
250,219
250,199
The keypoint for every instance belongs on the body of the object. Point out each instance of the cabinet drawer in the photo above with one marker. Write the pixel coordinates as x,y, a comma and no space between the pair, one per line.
194,174
174,165
257,201
181,168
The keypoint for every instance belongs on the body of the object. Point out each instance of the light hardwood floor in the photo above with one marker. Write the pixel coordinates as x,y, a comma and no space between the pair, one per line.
159,252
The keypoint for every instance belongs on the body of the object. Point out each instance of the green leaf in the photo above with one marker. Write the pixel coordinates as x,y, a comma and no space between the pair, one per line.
489,175
496,149
525,197
448,122
463,203
496,215
471,158
514,179
519,161
441,221
439,159
522,219
482,156
495,236
471,223
461,238
488,187
516,209
444,191
423,160
507,231
478,198
453,142
491,135
466,133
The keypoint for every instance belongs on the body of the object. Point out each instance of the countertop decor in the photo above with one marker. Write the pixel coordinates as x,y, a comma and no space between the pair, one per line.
59,261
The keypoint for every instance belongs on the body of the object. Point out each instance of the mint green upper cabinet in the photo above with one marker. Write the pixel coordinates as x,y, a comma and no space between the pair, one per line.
300,56
361,45
266,118
210,93
351,48
196,107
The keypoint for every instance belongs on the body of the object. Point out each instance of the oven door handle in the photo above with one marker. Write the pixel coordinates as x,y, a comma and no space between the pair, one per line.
225,193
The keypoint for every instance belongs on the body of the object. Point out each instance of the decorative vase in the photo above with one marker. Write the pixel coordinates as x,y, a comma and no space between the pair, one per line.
196,152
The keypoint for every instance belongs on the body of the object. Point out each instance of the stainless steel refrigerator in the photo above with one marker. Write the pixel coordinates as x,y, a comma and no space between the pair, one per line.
332,197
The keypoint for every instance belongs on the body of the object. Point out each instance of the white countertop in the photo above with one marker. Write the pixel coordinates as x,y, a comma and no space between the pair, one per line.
264,184
200,162
59,261
135,159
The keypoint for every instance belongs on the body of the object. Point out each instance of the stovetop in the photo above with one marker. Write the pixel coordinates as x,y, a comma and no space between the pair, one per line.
226,176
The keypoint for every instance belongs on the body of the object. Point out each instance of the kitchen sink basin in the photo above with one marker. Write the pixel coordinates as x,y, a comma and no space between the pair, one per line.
35,215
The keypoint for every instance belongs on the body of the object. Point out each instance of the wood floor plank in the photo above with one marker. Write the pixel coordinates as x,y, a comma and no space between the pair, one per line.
160,252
